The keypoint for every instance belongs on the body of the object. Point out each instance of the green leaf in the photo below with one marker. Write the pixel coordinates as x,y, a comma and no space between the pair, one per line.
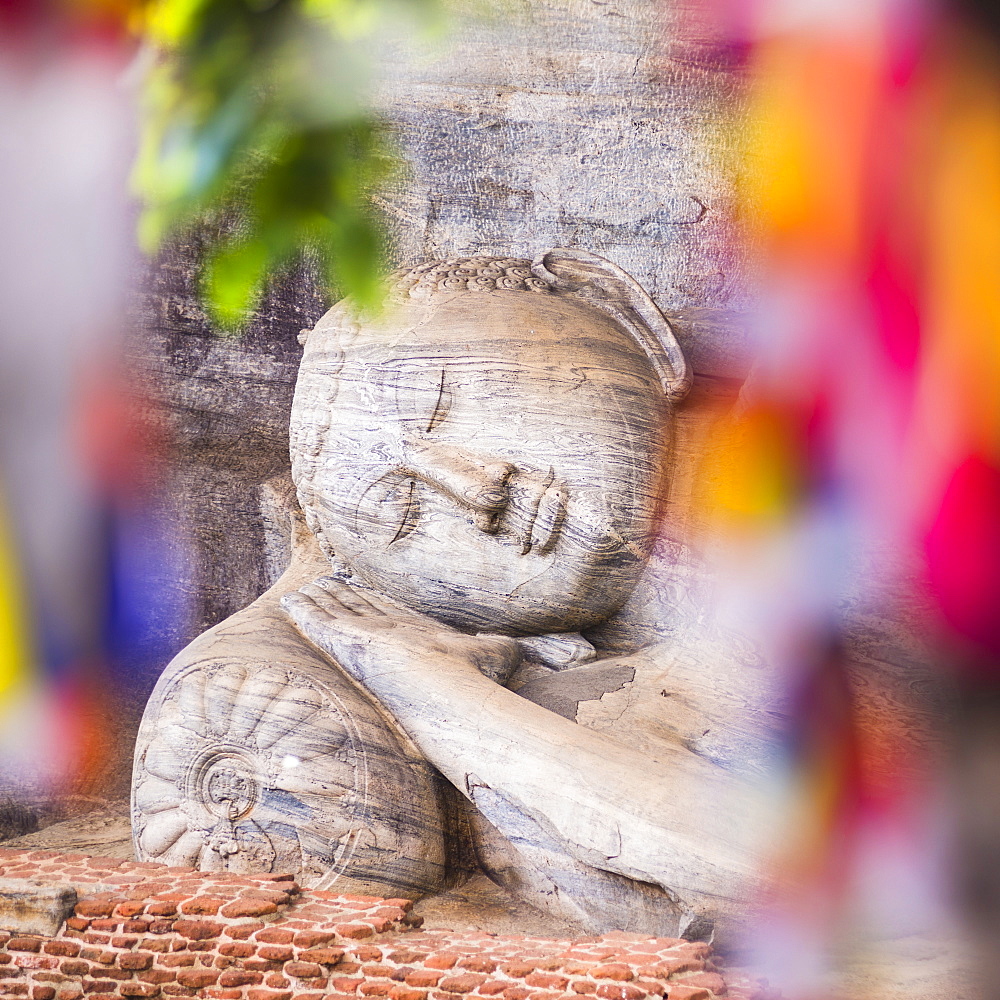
233,280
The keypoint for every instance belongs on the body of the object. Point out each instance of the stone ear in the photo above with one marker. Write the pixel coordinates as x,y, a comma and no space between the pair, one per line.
608,287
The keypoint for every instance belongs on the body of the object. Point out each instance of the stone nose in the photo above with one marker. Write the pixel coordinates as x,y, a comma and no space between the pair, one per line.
479,484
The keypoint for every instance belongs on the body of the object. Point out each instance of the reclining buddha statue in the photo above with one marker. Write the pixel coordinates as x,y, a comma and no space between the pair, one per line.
481,474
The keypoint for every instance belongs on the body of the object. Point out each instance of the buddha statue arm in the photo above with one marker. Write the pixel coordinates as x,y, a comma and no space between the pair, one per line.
678,822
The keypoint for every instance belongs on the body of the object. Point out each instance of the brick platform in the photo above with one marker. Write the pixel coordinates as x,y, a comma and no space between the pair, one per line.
145,930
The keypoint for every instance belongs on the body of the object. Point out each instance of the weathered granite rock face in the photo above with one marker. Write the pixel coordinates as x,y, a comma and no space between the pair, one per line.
571,123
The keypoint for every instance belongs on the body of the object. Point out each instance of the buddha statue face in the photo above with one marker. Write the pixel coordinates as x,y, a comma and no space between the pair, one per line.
493,459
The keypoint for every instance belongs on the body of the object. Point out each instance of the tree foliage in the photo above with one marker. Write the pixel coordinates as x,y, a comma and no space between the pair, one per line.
255,109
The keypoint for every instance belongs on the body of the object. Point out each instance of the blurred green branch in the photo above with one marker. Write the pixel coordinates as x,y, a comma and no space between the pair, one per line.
255,110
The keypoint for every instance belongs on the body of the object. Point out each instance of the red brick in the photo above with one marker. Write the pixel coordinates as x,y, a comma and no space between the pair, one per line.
476,963
276,895
95,985
461,984
124,942
156,976
135,960
240,977
24,943
30,960
322,956
677,991
620,991
275,935
492,987
62,947
74,967
402,993
92,938
197,930
424,977
138,926
260,965
354,931
130,908
376,989
582,986
651,986
209,944
96,955
162,944
204,905
96,907
259,994
197,978
377,971
402,904
178,960
162,908
516,993
614,970
214,993
404,957
710,981
276,952
160,927
248,908
345,985
368,953
241,932
43,993
238,949
139,990
77,923
313,939
105,924
113,973
303,970
441,960
518,970
546,981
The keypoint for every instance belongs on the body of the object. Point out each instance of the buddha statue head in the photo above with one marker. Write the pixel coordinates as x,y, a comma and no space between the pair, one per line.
492,448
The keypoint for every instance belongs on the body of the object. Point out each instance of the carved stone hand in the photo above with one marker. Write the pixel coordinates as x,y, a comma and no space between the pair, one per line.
369,635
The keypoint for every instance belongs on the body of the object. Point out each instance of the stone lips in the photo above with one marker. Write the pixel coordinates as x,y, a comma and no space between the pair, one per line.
156,931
